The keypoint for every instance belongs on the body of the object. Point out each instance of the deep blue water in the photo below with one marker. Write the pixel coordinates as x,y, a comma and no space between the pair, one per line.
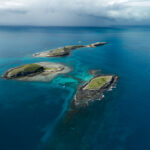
32,114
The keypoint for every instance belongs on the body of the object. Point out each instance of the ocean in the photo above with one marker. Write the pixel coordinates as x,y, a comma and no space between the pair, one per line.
33,115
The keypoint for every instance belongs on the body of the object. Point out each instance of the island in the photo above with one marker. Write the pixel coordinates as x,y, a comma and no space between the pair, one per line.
42,71
65,51
93,90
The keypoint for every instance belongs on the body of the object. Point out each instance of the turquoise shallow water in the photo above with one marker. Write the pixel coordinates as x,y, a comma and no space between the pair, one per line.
33,114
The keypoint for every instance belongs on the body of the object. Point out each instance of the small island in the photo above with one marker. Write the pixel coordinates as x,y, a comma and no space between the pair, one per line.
93,90
65,51
42,71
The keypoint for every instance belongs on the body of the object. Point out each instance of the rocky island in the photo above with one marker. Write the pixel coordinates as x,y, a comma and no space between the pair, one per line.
93,90
42,71
64,51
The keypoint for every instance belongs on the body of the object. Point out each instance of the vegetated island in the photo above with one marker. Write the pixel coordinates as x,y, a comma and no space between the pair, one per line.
42,71
93,90
65,51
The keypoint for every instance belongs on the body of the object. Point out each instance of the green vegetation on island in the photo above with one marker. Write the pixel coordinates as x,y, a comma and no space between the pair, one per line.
97,82
24,71
63,51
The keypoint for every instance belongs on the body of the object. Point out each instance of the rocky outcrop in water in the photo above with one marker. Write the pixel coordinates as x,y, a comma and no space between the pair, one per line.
93,90
64,51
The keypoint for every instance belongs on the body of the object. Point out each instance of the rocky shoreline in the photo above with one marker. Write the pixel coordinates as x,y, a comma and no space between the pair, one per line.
65,51
85,93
